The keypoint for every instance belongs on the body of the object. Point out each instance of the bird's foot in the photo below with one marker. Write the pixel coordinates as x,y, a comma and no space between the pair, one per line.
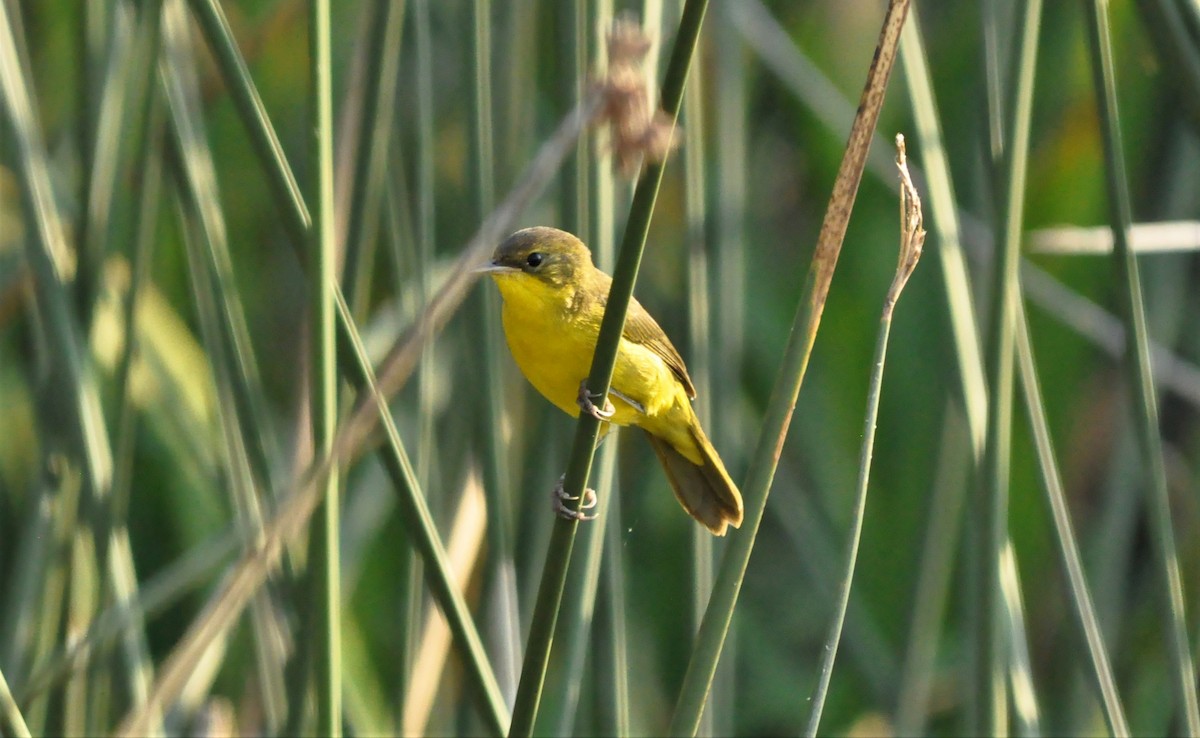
588,405
560,498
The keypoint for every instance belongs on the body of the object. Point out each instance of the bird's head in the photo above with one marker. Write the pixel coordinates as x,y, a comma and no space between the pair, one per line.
553,257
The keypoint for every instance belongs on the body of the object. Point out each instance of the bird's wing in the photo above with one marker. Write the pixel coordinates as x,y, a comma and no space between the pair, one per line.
641,328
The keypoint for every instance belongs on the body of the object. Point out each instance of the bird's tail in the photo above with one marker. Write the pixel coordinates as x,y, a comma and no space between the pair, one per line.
705,491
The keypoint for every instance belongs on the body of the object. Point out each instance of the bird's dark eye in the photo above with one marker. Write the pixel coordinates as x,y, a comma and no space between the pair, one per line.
535,259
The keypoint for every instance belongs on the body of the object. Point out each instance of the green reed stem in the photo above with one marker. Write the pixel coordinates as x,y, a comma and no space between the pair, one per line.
372,155
419,522
325,562
991,671
719,615
215,27
11,712
1138,358
912,238
1072,564
506,643
562,539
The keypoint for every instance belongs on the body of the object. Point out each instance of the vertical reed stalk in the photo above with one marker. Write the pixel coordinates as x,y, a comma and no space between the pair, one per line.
717,619
505,641
912,240
549,599
991,670
324,563
1137,350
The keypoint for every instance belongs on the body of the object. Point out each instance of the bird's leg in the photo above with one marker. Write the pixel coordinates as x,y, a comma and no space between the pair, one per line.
587,403
560,498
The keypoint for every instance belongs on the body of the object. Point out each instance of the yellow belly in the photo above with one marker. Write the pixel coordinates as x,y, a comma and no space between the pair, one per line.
553,348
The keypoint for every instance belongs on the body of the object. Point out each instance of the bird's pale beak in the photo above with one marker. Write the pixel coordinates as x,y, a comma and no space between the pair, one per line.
492,267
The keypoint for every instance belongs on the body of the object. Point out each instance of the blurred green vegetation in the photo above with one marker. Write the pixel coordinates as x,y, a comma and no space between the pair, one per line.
769,155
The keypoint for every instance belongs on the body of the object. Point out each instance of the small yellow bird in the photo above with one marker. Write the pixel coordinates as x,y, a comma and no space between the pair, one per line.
554,299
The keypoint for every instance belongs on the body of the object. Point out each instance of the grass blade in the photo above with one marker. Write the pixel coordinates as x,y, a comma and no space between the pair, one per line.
1084,610
253,113
579,602
506,640
912,240
374,137
715,626
188,149
13,718
49,255
993,637
325,543
1138,358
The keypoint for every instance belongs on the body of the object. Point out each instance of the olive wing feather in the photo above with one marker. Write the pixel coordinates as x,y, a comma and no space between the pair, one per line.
642,329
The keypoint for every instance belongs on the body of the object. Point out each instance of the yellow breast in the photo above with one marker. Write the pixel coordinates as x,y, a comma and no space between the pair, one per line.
553,346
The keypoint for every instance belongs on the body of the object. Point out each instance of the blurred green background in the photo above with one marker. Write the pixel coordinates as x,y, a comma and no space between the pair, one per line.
764,125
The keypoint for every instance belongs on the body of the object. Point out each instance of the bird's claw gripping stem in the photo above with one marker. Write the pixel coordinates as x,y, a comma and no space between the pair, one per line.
560,498
587,404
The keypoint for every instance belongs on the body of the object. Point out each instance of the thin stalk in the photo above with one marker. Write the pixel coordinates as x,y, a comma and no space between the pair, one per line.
602,209
577,195
611,667
562,538
248,512
506,639
245,437
69,410
13,719
912,238
941,537
403,248
1137,349
727,325
215,27
112,100
699,331
424,246
729,310
615,656
60,496
188,148
573,35
857,515
148,164
808,528
990,685
1020,670
426,228
76,399
1072,564
950,491
579,604
717,619
946,228
420,522
120,578
374,137
103,38
325,561
81,604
